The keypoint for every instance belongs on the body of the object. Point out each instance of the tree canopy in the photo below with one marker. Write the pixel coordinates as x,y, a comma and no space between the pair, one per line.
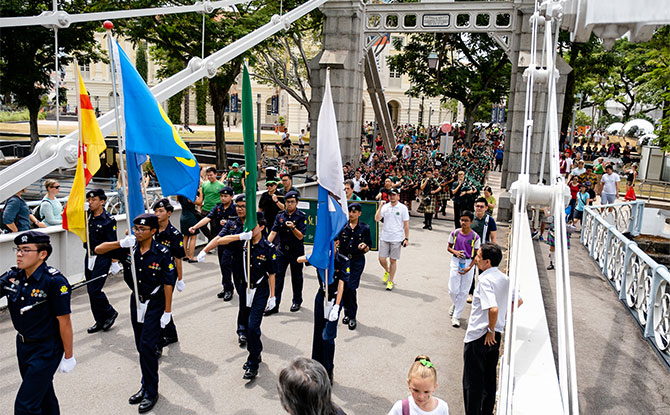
27,54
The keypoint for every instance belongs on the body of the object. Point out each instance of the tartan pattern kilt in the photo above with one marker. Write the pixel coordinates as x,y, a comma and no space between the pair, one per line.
427,207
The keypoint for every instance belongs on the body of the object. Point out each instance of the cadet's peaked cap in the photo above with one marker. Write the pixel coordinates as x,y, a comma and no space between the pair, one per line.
32,237
165,204
355,206
147,219
240,198
291,195
96,192
227,190
393,191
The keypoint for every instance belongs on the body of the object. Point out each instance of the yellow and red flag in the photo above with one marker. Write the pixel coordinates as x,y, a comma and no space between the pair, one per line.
91,145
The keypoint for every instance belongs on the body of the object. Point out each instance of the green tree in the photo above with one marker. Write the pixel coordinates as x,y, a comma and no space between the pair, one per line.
141,63
201,102
27,53
179,37
471,68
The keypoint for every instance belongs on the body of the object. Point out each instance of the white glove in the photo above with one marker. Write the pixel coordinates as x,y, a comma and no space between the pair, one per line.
165,319
272,303
334,313
115,268
245,236
180,285
86,207
66,365
127,242
201,256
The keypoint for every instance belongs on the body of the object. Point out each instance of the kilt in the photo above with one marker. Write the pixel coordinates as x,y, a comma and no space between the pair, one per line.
427,207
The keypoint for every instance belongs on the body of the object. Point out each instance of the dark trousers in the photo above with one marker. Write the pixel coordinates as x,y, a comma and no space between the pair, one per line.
498,165
283,262
37,364
479,376
147,335
349,298
250,318
458,208
323,351
206,230
100,306
226,266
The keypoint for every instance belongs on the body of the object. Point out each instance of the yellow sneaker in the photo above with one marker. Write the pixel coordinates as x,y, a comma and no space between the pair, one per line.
389,285
386,277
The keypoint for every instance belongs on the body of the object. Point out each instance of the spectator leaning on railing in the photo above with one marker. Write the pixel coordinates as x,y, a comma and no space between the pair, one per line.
50,208
16,216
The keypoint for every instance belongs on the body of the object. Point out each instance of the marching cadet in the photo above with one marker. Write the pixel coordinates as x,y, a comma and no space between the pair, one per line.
355,242
219,215
262,289
101,228
231,259
44,338
326,315
290,225
173,240
156,276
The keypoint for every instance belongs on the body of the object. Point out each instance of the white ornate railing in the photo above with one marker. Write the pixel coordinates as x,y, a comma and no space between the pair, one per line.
643,284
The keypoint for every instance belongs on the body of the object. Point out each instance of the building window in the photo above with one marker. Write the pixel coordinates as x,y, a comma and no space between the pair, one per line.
85,70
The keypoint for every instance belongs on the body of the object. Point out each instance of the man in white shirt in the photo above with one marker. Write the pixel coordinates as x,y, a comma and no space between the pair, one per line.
568,162
394,234
482,338
360,185
609,188
577,170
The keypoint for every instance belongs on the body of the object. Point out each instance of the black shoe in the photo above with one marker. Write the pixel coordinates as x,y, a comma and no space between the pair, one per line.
352,324
227,296
271,311
242,340
345,320
425,226
147,404
245,366
110,321
430,228
550,267
295,307
250,374
221,294
136,398
94,328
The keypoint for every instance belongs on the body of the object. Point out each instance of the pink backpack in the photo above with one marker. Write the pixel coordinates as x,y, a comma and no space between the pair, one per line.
405,406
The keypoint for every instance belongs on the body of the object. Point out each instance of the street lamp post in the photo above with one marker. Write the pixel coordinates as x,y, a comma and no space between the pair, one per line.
258,127
430,113
409,107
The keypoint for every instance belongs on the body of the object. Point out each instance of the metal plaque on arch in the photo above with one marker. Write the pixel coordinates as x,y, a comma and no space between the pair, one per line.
436,20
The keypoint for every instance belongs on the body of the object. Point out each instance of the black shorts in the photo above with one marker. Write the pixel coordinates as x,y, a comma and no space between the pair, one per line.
579,214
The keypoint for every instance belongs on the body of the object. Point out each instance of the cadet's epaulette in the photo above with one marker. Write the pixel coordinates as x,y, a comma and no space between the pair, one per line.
52,271
270,244
163,249
175,231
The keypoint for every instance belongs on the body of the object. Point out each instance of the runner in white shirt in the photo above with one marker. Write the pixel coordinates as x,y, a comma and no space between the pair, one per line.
394,234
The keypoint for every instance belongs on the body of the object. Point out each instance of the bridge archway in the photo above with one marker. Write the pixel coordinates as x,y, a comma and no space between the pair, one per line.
394,110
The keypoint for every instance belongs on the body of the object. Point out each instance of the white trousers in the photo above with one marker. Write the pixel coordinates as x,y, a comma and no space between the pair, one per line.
459,285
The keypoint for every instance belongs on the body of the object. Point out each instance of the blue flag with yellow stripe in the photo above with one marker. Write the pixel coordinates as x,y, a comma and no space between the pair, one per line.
149,131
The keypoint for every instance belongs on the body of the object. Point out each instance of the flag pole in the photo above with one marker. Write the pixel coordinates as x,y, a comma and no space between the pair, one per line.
77,77
122,148
57,78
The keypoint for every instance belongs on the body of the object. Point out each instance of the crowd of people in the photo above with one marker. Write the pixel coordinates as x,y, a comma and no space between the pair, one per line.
416,174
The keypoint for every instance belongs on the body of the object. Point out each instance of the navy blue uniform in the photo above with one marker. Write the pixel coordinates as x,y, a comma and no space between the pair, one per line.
290,248
349,240
230,256
323,351
155,269
218,214
39,347
101,228
263,263
173,240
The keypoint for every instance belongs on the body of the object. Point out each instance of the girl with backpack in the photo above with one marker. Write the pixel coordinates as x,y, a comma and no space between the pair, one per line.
422,382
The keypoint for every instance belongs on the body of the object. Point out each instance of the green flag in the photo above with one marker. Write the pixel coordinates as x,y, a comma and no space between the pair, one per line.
249,151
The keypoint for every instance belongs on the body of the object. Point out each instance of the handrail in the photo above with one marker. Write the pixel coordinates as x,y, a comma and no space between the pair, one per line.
643,284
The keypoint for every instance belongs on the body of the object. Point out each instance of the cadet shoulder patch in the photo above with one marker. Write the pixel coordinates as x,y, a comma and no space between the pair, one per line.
171,266
63,290
52,270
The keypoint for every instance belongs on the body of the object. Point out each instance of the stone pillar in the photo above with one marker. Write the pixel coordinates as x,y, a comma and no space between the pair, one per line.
342,53
521,45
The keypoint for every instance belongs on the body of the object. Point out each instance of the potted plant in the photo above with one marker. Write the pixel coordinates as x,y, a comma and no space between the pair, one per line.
282,122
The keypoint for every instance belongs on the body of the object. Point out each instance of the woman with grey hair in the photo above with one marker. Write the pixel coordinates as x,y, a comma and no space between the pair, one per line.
304,389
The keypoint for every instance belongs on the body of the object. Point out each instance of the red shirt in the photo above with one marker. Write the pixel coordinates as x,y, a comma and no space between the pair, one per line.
574,189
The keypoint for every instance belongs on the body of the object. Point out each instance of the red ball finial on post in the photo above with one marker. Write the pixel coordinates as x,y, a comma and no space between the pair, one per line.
108,25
